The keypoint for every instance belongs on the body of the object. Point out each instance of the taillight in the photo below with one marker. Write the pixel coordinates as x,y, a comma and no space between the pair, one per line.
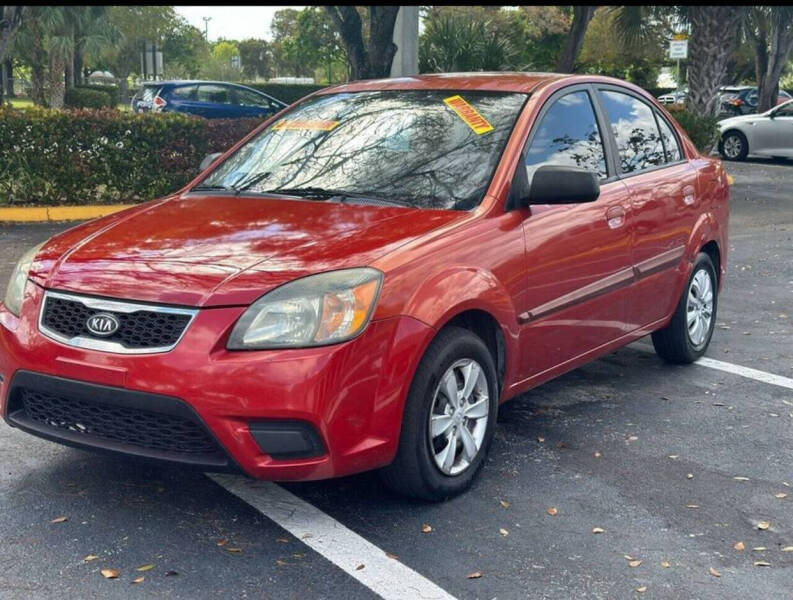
158,104
737,102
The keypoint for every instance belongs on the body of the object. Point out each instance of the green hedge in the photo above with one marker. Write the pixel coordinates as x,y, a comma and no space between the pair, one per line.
110,90
79,97
285,92
50,157
703,131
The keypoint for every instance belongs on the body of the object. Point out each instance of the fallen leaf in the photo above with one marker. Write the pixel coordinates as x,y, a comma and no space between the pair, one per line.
634,563
109,573
503,532
692,505
426,528
665,564
690,476
780,495
394,556
597,454
504,503
140,579
787,549
739,478
359,567
598,530
714,572
281,540
148,567
298,555
641,589
739,546
633,438
90,557
627,557
222,542
281,563
60,520
541,439
553,511
474,575
763,525
759,549
674,456
761,563
234,550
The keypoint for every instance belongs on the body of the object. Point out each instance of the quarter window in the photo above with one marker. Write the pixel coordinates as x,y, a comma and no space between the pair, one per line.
673,153
569,135
635,130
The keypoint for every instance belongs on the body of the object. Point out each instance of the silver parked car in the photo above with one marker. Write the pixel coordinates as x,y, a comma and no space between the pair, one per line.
768,134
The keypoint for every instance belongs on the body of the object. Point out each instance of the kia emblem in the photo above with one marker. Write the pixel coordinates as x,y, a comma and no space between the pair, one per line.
102,324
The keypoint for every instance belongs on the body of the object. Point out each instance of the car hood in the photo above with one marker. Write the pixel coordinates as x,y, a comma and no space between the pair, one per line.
221,250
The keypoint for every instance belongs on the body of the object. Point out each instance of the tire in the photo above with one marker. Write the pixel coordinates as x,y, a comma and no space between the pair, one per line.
676,343
734,146
415,471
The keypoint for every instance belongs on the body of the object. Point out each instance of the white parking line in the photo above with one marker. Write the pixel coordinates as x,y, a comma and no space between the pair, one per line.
747,372
385,576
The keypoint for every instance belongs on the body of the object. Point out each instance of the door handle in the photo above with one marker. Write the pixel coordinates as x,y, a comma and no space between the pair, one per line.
615,217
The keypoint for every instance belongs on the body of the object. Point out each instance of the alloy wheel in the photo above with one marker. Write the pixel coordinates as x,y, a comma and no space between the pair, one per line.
699,309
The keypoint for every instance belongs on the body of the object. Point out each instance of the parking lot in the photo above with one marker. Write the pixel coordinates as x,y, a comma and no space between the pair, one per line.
676,466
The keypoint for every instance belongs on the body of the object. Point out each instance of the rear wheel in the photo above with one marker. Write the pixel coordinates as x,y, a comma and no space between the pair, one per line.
734,146
688,335
449,419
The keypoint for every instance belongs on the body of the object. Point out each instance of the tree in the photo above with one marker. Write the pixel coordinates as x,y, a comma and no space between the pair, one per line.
185,50
456,43
707,68
582,15
10,22
370,57
256,58
770,29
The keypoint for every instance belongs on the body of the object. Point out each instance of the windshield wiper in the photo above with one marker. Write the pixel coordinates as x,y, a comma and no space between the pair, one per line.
321,193
211,188
248,182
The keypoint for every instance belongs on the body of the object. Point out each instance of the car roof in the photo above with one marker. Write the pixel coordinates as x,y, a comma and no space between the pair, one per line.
502,81
193,82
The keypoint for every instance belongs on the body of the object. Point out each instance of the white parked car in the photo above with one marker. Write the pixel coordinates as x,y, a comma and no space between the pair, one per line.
768,134
677,97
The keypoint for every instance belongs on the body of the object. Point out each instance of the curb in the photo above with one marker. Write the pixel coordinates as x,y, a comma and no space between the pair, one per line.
43,214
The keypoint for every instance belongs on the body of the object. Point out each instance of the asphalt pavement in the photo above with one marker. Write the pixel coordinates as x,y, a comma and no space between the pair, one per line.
676,465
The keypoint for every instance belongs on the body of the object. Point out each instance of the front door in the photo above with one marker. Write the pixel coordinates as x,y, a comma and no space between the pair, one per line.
775,135
579,254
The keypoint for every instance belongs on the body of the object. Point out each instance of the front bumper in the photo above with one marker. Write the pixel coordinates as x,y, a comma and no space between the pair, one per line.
351,395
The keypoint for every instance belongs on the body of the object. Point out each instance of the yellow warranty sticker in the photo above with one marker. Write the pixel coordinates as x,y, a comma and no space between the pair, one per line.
468,114
306,125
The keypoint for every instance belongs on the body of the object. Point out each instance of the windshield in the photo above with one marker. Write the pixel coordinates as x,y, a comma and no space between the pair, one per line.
423,148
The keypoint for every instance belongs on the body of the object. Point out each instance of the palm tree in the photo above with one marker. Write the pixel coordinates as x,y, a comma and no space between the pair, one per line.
770,29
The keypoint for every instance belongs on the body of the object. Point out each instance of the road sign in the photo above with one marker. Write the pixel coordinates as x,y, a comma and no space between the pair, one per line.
678,49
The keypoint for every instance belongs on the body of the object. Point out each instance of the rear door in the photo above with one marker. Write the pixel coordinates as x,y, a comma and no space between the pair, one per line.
663,200
579,260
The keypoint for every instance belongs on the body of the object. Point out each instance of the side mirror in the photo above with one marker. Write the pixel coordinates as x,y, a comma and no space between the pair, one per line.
556,184
208,160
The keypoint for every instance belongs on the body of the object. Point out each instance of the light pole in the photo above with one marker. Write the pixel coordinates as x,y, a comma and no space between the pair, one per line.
206,27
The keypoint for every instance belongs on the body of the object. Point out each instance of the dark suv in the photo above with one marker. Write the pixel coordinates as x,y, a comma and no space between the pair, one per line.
210,99
742,100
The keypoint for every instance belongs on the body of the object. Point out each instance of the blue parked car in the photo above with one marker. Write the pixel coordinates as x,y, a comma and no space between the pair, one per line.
210,99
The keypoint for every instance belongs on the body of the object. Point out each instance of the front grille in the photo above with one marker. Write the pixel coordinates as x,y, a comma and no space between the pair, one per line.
125,425
140,328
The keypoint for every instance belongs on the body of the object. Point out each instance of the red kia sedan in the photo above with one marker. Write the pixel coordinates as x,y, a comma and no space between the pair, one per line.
362,280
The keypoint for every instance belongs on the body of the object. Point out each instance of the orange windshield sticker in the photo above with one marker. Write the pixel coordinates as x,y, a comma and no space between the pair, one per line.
306,125
468,114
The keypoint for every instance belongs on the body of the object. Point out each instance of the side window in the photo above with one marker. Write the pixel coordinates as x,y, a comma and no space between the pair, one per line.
217,94
246,98
569,135
638,140
185,93
785,111
673,152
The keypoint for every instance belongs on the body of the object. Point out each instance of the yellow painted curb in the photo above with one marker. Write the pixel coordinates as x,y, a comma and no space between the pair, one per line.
34,214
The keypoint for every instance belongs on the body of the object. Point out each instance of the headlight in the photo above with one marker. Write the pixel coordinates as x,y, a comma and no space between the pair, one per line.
16,285
313,311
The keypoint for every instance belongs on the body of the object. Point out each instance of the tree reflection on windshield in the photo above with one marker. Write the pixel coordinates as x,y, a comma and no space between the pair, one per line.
404,146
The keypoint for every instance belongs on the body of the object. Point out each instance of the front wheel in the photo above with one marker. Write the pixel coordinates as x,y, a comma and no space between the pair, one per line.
688,335
449,419
734,146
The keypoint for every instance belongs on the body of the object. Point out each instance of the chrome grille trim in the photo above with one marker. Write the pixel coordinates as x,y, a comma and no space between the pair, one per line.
120,306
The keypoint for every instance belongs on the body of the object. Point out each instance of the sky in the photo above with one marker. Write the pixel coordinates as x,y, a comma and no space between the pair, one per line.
233,22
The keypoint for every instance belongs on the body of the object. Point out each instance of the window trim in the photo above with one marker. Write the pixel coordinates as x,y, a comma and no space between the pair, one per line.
611,171
605,87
